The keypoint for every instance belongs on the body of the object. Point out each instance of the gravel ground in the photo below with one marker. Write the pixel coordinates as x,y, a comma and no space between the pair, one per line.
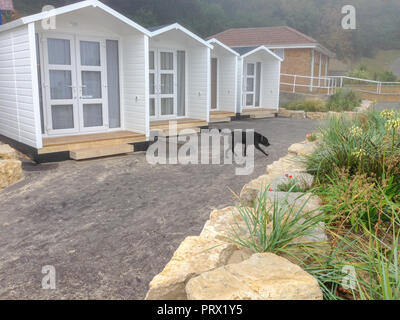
109,225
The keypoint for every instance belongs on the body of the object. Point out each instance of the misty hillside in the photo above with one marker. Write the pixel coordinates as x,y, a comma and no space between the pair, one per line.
378,21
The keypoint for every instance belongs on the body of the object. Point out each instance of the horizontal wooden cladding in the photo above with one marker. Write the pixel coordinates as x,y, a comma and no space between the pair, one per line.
17,105
79,142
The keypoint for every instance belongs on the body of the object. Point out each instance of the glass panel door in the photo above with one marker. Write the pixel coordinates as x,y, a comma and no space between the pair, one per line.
152,85
258,85
60,85
163,86
249,84
92,80
167,83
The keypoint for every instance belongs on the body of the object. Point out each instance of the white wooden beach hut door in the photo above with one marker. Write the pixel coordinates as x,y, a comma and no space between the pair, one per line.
60,85
163,84
75,84
252,85
92,84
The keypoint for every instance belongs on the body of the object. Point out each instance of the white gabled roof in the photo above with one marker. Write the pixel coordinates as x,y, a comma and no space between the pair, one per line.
213,40
177,26
263,48
70,8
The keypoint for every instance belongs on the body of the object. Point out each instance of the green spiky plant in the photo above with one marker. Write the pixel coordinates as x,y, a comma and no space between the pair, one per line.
274,225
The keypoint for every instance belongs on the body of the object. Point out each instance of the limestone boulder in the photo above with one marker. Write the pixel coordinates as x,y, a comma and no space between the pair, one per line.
317,115
289,163
365,106
221,223
194,256
298,200
298,114
240,255
227,225
6,152
10,172
347,115
302,148
264,276
302,179
252,189
308,204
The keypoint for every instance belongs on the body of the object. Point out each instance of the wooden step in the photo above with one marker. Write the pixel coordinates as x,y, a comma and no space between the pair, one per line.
167,133
89,141
218,120
180,126
104,151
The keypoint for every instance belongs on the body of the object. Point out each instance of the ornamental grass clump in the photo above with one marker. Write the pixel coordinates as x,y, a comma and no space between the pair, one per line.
357,166
343,100
357,201
308,105
363,265
367,145
274,225
293,184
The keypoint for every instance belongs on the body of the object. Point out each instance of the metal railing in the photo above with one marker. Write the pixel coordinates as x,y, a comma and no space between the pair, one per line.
329,84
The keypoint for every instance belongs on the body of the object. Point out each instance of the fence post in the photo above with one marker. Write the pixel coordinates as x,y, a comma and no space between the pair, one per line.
341,82
294,84
329,84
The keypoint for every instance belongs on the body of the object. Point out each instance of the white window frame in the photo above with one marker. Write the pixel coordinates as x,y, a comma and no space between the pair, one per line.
157,96
104,85
47,101
245,77
42,36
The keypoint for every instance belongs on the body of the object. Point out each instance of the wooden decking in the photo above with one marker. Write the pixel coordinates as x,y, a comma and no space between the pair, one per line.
163,127
221,116
87,141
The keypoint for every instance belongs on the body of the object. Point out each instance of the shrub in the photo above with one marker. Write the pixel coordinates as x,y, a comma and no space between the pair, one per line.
385,76
360,72
308,105
364,267
367,145
357,200
343,100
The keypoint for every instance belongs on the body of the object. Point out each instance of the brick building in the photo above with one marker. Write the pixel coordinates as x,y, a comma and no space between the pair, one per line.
303,55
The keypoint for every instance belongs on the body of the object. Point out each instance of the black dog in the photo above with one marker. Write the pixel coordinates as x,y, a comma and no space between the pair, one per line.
258,139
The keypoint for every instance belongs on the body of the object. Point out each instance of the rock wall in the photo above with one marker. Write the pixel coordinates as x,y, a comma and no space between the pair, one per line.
366,105
213,266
